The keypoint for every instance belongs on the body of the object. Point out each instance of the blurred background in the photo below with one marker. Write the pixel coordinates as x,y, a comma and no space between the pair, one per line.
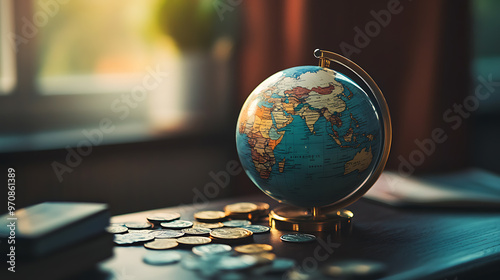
135,103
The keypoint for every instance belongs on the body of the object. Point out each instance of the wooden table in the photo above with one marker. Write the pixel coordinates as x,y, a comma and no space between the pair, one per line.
413,243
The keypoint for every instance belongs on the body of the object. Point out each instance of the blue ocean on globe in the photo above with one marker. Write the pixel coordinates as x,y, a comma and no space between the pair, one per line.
309,136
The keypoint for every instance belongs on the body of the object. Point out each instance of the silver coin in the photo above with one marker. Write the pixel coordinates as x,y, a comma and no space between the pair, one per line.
139,236
191,263
138,225
257,228
236,223
211,249
163,217
236,263
298,237
166,233
131,238
196,231
282,264
116,229
138,231
178,224
161,258
120,240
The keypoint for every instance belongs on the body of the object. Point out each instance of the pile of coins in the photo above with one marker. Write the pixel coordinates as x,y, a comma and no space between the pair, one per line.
210,237
218,242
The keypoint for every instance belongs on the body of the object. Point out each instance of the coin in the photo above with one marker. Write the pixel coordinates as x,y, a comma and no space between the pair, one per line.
240,208
130,238
140,237
161,244
236,263
230,233
120,240
163,217
178,224
262,208
166,233
253,248
191,262
208,225
193,240
210,216
282,264
211,249
355,269
133,225
236,223
257,228
196,231
265,258
298,237
116,229
161,258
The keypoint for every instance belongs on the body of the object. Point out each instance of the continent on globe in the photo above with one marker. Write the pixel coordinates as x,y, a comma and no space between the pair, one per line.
282,165
360,162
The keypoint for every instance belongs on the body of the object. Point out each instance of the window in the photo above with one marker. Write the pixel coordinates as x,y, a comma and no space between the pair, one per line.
84,61
97,46
7,53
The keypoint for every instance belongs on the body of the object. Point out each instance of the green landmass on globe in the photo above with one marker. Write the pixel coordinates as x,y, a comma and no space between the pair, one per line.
308,136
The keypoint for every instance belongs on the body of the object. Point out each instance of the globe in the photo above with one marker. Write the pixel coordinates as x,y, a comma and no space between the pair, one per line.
309,136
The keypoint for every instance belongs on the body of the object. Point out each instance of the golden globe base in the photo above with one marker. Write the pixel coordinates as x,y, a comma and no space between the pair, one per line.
291,218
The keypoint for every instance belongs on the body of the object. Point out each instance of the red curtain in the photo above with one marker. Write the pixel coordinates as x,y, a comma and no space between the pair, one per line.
419,56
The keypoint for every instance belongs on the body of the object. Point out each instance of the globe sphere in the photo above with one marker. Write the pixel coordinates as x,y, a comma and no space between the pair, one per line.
309,136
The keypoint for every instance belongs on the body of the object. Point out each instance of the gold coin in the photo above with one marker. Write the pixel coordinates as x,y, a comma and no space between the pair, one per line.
253,248
265,258
240,208
263,208
230,233
208,225
163,217
161,244
193,240
209,216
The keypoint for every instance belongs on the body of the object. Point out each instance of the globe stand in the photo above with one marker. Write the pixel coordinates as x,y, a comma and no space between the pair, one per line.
290,218
329,217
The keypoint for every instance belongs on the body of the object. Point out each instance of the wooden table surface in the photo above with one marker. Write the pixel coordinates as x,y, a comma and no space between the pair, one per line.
413,243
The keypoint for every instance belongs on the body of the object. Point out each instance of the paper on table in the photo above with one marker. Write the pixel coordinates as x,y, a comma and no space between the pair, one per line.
472,188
